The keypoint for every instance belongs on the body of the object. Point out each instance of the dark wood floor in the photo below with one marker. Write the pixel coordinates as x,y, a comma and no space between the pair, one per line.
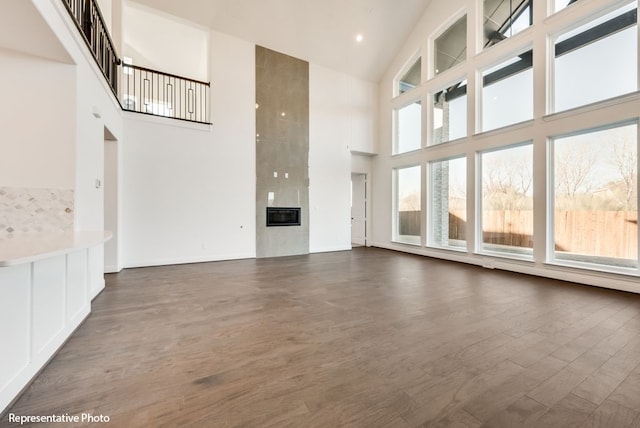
368,338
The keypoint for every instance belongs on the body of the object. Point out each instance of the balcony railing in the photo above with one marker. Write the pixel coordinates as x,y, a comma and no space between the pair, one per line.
161,94
87,17
142,90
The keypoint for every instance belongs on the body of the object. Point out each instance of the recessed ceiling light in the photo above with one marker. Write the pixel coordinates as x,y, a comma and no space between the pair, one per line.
359,38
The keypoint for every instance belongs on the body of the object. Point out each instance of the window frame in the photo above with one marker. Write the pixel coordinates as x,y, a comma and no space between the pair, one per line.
395,211
413,59
430,140
511,69
453,20
551,93
396,125
525,254
430,242
551,258
516,15
537,129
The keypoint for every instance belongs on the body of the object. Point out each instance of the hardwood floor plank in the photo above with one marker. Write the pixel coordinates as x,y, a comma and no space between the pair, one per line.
365,338
524,413
498,398
628,393
450,395
582,343
611,415
597,387
571,411
564,381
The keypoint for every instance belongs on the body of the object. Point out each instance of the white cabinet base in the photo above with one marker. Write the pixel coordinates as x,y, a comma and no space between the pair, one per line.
41,304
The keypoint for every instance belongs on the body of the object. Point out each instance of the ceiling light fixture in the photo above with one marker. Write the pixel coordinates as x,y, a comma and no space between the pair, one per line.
359,38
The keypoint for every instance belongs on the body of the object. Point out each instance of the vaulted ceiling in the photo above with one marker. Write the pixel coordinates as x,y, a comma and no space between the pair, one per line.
320,31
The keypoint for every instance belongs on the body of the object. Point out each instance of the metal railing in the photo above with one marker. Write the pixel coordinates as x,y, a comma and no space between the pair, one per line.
142,90
87,17
162,94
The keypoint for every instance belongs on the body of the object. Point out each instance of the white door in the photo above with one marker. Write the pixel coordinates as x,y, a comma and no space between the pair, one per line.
358,209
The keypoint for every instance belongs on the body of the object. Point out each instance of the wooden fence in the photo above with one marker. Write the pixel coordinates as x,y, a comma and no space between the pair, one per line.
598,233
595,233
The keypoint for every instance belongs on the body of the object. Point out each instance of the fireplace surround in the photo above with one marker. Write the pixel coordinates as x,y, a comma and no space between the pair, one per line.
283,216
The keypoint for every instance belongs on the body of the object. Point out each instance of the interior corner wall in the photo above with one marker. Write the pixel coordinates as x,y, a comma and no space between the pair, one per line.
96,109
329,160
161,42
189,189
62,125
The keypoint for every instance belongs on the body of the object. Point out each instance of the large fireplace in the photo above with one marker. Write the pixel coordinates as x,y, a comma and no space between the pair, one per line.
280,216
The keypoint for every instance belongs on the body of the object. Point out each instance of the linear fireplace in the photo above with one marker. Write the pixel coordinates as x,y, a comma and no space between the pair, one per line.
279,216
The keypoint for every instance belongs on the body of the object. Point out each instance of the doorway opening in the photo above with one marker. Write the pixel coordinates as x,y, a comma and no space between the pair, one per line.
111,202
358,210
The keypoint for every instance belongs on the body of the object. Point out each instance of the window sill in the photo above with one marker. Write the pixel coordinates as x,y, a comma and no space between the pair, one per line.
523,256
594,267
412,244
410,152
454,249
497,131
594,106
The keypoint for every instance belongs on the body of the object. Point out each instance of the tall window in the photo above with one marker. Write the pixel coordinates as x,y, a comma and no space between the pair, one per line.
408,205
450,114
448,207
505,18
507,200
598,60
595,182
451,46
507,92
408,128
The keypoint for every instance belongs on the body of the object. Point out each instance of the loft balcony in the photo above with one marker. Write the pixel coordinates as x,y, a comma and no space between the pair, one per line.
139,89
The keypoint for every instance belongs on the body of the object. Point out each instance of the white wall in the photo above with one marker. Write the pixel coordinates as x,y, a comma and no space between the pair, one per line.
23,29
361,164
342,119
165,43
92,98
92,107
329,161
106,8
37,121
189,190
361,114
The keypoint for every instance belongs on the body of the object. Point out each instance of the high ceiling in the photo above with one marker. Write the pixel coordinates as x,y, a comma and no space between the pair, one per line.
320,31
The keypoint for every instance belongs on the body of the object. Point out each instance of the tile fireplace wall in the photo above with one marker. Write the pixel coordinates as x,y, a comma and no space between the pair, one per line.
282,150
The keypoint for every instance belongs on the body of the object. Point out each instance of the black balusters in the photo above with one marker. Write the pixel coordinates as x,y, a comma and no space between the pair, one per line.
162,94
87,17
143,90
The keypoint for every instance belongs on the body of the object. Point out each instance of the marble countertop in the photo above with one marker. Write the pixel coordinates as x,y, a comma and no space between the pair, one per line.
30,247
